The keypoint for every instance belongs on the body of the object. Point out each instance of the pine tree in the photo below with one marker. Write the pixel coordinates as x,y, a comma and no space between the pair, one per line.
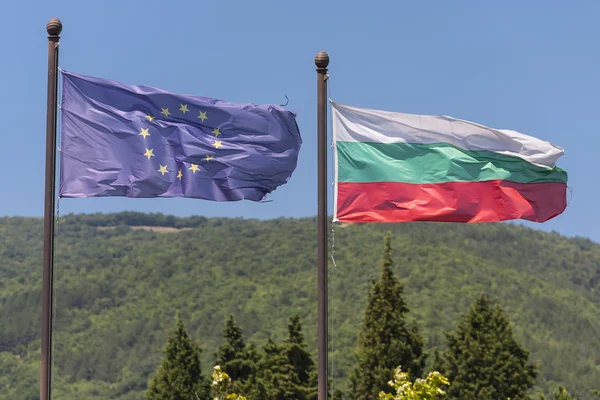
386,341
271,373
483,360
236,358
286,371
179,377
562,394
302,367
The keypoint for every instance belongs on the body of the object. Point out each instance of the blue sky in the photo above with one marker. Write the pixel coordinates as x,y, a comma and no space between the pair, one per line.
529,66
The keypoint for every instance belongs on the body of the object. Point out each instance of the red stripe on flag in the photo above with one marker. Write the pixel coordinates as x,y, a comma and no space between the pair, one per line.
487,201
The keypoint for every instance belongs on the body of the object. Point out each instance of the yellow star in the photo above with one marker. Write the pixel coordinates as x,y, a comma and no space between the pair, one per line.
217,144
217,132
179,174
194,168
144,133
208,158
183,108
163,169
149,153
150,117
202,115
166,112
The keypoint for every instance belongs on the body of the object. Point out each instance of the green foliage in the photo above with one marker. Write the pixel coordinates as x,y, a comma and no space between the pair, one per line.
562,394
118,285
386,339
272,373
236,359
301,366
429,388
483,359
221,384
179,377
286,371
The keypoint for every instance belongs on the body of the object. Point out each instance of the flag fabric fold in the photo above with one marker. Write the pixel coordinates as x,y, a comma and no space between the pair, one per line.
139,141
395,167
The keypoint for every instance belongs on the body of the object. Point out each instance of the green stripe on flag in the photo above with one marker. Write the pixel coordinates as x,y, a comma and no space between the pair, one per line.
434,163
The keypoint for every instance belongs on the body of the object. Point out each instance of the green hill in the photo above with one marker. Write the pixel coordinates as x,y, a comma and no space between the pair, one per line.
118,288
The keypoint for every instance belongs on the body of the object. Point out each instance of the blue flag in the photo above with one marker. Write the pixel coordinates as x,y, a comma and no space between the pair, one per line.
139,141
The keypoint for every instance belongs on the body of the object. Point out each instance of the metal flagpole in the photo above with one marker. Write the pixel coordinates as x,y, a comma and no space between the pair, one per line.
322,61
54,27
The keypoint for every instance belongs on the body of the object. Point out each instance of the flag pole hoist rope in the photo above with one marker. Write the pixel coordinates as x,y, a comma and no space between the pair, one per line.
54,28
322,61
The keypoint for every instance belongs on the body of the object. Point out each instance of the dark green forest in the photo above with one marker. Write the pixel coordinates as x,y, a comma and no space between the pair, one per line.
120,285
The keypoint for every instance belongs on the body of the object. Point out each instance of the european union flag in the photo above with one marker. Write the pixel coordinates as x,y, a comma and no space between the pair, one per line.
139,141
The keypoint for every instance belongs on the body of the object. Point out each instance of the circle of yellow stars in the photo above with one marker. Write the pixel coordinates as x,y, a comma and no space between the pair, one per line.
149,153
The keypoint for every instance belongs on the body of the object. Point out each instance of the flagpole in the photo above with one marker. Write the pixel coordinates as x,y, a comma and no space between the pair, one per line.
54,27
322,61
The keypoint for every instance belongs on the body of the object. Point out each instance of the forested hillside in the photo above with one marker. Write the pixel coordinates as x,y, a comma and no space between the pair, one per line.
118,288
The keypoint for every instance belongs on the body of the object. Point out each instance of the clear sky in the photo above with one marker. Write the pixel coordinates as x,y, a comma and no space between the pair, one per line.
528,66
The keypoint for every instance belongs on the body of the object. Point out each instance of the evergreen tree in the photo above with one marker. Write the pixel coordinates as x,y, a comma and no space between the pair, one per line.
234,357
267,384
253,358
386,340
179,377
286,371
483,360
301,366
561,393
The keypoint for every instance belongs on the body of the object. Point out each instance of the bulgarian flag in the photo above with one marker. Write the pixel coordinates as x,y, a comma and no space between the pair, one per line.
394,167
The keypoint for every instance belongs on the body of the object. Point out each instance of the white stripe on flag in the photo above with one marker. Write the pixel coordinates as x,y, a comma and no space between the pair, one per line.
352,124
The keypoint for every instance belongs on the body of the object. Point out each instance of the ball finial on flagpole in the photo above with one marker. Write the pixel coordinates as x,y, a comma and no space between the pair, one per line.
322,60
54,27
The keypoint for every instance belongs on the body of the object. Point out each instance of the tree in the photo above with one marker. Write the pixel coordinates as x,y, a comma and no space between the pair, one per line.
179,377
483,360
286,371
385,340
561,393
236,359
270,373
221,383
429,388
301,366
